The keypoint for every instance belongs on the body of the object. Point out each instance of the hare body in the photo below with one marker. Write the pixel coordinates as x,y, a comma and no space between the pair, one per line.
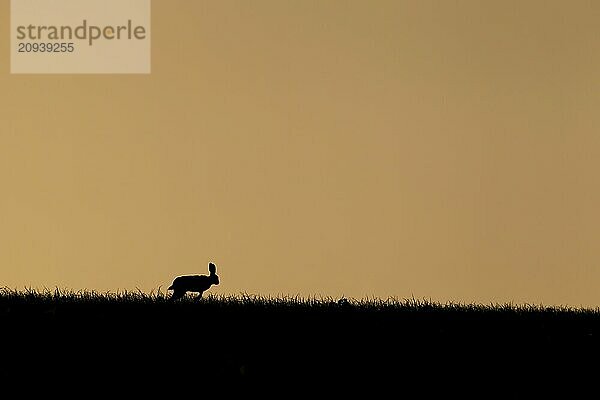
194,283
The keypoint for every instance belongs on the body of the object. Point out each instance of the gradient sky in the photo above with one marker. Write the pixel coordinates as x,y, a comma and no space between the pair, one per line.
441,149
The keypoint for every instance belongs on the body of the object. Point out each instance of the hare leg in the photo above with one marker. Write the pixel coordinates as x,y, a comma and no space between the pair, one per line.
177,294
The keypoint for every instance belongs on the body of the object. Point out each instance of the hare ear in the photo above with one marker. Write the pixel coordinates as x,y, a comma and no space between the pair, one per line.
212,268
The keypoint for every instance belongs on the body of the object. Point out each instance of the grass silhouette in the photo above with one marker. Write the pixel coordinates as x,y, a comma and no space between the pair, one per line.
251,339
57,297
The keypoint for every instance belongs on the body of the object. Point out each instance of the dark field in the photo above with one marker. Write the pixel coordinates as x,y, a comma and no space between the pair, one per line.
140,342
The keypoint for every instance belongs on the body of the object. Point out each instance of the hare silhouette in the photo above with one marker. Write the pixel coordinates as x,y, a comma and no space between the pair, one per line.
194,283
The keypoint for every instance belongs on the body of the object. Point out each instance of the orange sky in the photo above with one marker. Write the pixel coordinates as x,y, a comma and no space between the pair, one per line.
441,149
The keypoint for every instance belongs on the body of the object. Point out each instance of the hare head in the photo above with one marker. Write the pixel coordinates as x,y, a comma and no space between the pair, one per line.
212,268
